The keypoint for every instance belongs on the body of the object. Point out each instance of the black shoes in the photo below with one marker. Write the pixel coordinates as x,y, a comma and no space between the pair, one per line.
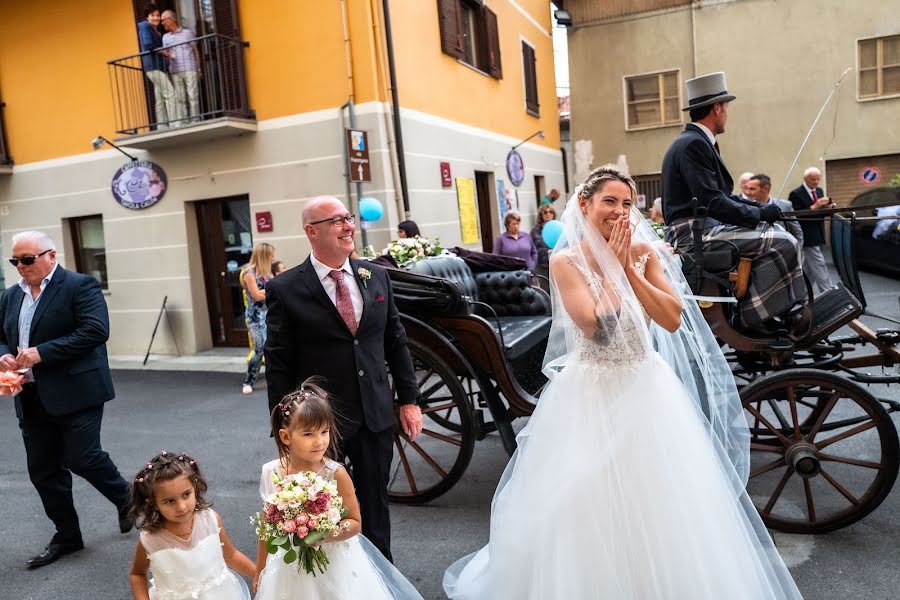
125,522
53,552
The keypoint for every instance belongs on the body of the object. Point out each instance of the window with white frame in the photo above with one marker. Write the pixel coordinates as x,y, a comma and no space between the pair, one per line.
652,100
879,67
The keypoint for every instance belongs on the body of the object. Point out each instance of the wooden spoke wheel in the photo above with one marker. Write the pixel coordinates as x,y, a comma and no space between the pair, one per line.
824,452
428,467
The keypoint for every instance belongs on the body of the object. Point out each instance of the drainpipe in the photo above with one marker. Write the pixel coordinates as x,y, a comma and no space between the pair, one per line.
401,162
348,52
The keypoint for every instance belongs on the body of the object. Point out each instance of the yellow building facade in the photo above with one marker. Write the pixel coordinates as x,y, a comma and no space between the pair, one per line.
278,82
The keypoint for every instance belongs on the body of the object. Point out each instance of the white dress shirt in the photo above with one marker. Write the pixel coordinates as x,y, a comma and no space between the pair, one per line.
706,130
324,273
26,313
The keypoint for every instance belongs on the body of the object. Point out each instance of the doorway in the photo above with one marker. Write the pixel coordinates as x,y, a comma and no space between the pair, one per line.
540,190
487,209
226,243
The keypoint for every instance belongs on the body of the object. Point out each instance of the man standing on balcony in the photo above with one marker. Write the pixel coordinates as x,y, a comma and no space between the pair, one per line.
184,68
154,63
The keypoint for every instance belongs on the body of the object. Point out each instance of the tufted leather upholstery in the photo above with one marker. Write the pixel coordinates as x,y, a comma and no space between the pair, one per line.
511,294
522,310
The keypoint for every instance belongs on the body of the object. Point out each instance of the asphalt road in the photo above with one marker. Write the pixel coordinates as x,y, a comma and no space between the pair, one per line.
205,415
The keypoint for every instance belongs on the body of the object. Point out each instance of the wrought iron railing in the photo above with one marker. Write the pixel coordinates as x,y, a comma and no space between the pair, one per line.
147,98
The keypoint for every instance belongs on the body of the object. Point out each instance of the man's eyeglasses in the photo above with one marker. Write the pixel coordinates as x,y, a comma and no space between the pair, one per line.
27,260
337,221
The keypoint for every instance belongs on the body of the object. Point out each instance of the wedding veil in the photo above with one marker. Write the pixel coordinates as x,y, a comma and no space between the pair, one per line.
692,351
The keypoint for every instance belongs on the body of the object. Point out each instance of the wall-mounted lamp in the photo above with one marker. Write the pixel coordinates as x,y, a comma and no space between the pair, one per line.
539,134
98,142
563,18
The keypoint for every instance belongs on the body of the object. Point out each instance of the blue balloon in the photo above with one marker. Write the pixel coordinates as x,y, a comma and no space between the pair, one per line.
370,209
551,232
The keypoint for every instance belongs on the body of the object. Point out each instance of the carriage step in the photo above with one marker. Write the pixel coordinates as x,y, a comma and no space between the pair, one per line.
832,310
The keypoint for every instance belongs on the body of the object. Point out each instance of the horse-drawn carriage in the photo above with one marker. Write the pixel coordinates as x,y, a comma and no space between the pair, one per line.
824,450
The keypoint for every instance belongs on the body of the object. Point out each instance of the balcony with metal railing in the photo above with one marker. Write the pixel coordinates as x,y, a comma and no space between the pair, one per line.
184,93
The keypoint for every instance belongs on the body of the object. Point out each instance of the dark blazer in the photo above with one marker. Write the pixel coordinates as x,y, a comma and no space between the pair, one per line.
813,231
69,329
691,169
306,337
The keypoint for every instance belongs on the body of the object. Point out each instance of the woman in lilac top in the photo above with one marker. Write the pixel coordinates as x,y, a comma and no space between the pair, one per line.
514,243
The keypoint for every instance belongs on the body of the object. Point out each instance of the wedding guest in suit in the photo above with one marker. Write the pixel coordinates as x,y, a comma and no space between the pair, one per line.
335,317
514,243
758,188
55,327
809,196
693,168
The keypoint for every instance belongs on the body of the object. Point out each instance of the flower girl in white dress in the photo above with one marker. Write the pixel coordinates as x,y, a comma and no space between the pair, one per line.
303,425
628,480
183,541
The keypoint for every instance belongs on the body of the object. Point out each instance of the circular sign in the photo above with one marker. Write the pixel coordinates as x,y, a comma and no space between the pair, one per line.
139,184
869,175
515,168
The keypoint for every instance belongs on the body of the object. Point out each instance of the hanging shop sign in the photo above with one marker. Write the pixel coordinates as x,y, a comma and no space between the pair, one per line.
139,184
358,146
515,168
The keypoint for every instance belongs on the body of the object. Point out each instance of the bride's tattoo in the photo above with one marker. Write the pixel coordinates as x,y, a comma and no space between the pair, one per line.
605,327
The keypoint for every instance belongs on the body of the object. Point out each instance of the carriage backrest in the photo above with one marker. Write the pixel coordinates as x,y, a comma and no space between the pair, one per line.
449,267
843,252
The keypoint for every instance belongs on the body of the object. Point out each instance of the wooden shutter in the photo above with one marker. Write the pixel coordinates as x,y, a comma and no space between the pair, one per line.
492,43
4,156
232,92
531,95
450,18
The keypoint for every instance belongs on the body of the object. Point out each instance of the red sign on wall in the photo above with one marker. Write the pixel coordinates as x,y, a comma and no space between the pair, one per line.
264,222
446,179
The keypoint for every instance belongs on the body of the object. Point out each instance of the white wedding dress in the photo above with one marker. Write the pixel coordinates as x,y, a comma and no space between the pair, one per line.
192,569
616,492
356,570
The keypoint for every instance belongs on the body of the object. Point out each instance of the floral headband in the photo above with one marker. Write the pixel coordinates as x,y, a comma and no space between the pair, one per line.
146,471
289,400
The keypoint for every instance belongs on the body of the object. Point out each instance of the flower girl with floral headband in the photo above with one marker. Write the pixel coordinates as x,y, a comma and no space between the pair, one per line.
310,543
183,541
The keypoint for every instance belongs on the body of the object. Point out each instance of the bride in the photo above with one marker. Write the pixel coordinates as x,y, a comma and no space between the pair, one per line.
628,481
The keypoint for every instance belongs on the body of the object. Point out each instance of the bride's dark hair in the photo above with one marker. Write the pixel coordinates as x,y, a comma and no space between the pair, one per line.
602,175
165,466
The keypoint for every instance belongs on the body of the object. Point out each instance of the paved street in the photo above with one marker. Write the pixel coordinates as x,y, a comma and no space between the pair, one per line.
204,414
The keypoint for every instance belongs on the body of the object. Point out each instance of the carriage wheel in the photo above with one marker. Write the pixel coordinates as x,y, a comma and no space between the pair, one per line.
823,452
447,417
428,467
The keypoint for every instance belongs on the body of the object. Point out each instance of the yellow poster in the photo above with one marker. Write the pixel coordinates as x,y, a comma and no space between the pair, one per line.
468,212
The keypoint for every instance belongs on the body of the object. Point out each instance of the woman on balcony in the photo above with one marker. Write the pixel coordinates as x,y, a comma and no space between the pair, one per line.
154,64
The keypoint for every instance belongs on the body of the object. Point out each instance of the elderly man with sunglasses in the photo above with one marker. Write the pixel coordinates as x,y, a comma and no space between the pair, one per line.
334,317
54,331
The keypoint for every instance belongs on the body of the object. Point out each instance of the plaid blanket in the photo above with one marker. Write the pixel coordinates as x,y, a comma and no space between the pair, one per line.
776,279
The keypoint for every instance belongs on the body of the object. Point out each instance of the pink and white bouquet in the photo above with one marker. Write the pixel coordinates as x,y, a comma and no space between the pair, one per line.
304,509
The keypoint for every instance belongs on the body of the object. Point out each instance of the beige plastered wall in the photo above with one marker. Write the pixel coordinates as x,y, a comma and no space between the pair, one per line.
781,60
155,252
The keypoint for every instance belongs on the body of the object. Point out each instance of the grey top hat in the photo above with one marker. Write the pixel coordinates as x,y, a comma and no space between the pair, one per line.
707,89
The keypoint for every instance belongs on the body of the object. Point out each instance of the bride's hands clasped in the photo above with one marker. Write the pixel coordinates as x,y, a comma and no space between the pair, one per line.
620,242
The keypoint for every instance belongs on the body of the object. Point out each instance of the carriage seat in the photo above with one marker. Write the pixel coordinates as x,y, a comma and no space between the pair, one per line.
518,311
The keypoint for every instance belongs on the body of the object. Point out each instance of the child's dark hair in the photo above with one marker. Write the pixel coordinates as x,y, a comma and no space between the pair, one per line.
165,466
308,406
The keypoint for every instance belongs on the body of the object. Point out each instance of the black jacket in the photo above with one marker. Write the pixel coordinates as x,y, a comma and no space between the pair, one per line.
693,169
813,231
306,337
70,328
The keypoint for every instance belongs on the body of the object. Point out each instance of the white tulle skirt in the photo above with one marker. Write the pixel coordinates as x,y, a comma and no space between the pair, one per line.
617,492
356,570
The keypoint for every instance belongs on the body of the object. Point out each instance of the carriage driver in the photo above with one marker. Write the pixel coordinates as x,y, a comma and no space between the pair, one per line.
693,168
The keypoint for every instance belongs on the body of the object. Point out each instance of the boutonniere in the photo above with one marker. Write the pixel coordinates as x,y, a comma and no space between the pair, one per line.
364,275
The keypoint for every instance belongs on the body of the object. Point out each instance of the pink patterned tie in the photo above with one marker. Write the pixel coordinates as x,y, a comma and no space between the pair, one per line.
343,302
